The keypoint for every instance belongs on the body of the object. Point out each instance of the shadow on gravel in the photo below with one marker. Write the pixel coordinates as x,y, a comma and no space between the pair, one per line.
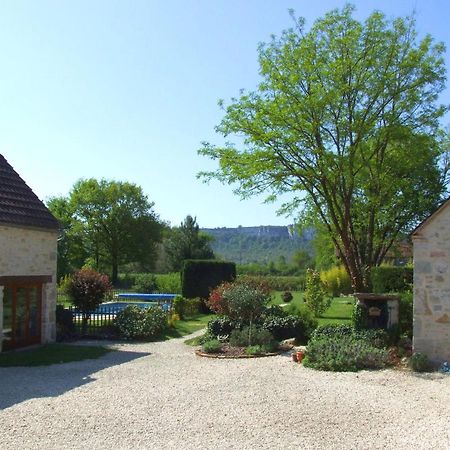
18,384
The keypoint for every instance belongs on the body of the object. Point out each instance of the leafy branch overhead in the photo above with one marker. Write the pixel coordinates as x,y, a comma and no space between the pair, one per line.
346,118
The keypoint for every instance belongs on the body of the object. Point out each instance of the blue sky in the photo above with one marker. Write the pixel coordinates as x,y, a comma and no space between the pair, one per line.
127,90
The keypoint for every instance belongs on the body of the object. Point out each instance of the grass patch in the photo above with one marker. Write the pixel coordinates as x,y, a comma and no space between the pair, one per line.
340,312
51,354
187,326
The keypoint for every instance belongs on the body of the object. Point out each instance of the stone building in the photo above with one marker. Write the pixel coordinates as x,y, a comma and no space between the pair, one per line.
28,251
431,241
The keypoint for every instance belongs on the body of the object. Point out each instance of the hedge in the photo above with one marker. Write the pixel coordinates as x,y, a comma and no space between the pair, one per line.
391,279
199,277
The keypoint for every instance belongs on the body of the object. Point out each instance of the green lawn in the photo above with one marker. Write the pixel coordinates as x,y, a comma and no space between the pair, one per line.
51,354
187,326
340,310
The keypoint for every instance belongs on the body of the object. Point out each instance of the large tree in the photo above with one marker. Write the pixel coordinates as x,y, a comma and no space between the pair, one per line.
187,242
112,221
345,118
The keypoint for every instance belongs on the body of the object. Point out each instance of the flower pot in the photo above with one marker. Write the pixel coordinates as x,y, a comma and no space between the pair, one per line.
300,356
294,357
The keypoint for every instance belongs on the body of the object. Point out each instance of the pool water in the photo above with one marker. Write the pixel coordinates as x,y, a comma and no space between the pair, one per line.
115,307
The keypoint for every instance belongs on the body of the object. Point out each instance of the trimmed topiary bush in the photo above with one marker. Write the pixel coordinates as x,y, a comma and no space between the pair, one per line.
199,277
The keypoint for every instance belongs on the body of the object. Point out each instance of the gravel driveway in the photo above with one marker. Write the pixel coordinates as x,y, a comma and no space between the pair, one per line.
161,396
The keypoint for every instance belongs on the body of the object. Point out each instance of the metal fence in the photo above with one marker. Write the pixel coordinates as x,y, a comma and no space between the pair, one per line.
94,323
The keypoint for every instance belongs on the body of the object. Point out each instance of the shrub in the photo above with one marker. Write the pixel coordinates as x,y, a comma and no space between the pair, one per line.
169,283
279,283
87,288
315,297
378,338
419,362
65,328
286,296
155,322
359,316
406,313
329,331
343,353
138,323
258,336
336,281
199,277
254,350
286,327
221,326
145,283
386,279
306,316
185,307
212,346
178,305
216,301
173,319
130,322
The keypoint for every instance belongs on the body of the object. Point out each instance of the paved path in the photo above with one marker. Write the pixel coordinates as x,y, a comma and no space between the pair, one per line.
161,396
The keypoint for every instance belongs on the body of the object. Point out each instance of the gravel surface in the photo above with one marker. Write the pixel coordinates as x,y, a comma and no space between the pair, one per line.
161,396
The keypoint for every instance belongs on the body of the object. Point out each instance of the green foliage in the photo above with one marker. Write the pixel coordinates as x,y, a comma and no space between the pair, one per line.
391,279
200,277
254,350
186,242
344,353
221,326
378,338
253,248
359,316
307,319
255,336
65,328
212,346
287,296
345,119
246,303
290,326
419,362
336,281
168,283
87,289
107,224
406,314
315,297
186,307
145,283
140,323
279,283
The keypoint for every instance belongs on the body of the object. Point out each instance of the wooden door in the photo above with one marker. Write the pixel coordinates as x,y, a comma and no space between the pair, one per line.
22,312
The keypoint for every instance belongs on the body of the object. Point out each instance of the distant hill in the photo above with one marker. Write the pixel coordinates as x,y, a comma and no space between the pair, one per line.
258,244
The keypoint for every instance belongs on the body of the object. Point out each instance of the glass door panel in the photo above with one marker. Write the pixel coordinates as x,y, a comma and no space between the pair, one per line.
7,317
21,315
34,313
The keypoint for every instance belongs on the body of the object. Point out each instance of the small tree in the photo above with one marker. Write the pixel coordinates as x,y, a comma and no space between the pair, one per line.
86,289
246,304
316,297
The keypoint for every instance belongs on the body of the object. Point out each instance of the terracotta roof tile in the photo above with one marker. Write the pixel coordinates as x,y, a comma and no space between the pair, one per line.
19,205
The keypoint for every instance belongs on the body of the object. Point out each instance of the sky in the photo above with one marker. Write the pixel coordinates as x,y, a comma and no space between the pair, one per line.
128,90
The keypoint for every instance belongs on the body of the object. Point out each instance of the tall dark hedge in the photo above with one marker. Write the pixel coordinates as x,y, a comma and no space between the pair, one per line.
391,279
198,276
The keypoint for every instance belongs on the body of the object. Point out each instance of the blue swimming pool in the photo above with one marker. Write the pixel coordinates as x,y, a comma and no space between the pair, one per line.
115,307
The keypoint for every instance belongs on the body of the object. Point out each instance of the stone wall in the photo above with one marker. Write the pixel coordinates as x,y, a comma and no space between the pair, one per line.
432,287
26,252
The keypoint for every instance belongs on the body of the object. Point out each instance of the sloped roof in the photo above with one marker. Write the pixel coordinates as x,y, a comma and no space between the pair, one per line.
19,205
430,218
